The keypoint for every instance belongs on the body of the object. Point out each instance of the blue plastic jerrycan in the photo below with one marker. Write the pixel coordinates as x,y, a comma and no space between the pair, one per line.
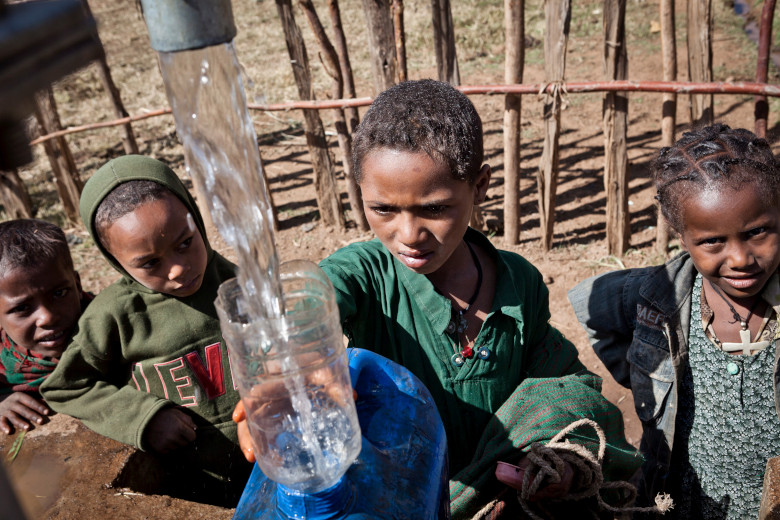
402,468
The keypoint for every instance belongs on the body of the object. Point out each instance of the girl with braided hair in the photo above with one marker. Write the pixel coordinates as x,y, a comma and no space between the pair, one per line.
695,339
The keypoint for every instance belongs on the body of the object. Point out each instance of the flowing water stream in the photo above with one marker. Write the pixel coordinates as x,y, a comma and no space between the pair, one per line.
306,437
206,92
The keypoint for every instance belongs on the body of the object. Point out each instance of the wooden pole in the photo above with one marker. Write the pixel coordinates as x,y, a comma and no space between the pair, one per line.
331,62
128,137
557,15
346,67
328,201
14,196
444,42
669,106
66,176
400,39
700,58
762,66
615,116
381,42
514,26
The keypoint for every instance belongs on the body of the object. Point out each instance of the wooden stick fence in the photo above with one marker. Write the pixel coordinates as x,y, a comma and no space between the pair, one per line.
387,58
758,89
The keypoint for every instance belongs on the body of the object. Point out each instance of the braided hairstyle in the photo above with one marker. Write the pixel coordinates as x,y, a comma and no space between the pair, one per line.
713,157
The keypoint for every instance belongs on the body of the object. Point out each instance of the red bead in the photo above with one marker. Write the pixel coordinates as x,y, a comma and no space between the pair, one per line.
467,352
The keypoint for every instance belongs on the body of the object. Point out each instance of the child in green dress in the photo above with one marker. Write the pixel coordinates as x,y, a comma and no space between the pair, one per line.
434,295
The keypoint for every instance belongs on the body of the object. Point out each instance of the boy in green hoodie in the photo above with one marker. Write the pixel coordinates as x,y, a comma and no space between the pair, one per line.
147,365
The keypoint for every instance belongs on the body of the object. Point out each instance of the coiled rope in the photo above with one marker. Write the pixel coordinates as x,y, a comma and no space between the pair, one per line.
548,465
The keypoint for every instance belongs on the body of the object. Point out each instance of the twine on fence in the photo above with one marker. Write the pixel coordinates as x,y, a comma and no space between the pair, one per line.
558,92
548,463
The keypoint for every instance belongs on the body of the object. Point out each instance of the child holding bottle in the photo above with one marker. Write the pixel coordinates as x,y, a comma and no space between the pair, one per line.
434,295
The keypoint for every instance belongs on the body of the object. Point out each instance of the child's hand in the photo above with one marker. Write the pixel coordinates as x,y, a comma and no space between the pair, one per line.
170,428
244,438
21,411
512,476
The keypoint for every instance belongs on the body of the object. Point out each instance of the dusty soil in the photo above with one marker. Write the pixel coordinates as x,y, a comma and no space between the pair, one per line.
82,472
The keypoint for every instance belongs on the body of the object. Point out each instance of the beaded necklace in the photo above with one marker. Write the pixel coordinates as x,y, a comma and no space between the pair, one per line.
459,325
745,344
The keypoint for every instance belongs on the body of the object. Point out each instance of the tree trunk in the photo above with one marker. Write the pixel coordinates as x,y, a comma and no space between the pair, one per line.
66,177
444,42
700,59
333,69
557,14
328,200
669,108
514,25
346,67
615,114
14,196
381,42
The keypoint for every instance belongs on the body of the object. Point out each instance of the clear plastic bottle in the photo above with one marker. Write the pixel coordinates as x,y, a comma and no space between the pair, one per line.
293,377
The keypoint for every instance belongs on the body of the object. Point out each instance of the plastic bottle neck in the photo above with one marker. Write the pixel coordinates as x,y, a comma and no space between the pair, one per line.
328,504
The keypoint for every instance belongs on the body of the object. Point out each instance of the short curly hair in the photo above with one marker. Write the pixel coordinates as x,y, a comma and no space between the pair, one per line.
124,199
423,116
711,157
26,243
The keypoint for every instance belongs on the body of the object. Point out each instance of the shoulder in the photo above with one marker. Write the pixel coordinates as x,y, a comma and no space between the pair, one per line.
359,259
663,284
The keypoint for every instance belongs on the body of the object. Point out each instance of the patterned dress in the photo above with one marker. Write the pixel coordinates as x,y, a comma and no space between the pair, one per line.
727,428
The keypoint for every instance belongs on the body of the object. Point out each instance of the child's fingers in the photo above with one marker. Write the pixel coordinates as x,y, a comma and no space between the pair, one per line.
36,408
18,421
6,426
245,440
22,410
239,412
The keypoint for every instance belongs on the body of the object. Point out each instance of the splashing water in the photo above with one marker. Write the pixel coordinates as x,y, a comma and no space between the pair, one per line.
316,439
206,92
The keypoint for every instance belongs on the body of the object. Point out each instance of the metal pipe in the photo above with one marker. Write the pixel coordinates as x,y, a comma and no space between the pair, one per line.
176,25
40,42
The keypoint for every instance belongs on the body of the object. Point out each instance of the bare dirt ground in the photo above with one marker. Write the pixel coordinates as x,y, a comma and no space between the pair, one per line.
86,466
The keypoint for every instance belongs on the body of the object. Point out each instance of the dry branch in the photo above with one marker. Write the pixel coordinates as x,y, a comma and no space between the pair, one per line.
66,176
400,39
444,42
669,104
700,58
381,42
14,196
615,120
557,14
514,21
762,65
471,90
344,138
346,66
328,201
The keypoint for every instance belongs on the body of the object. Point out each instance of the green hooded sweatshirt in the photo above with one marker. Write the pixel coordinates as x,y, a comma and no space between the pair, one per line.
137,351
